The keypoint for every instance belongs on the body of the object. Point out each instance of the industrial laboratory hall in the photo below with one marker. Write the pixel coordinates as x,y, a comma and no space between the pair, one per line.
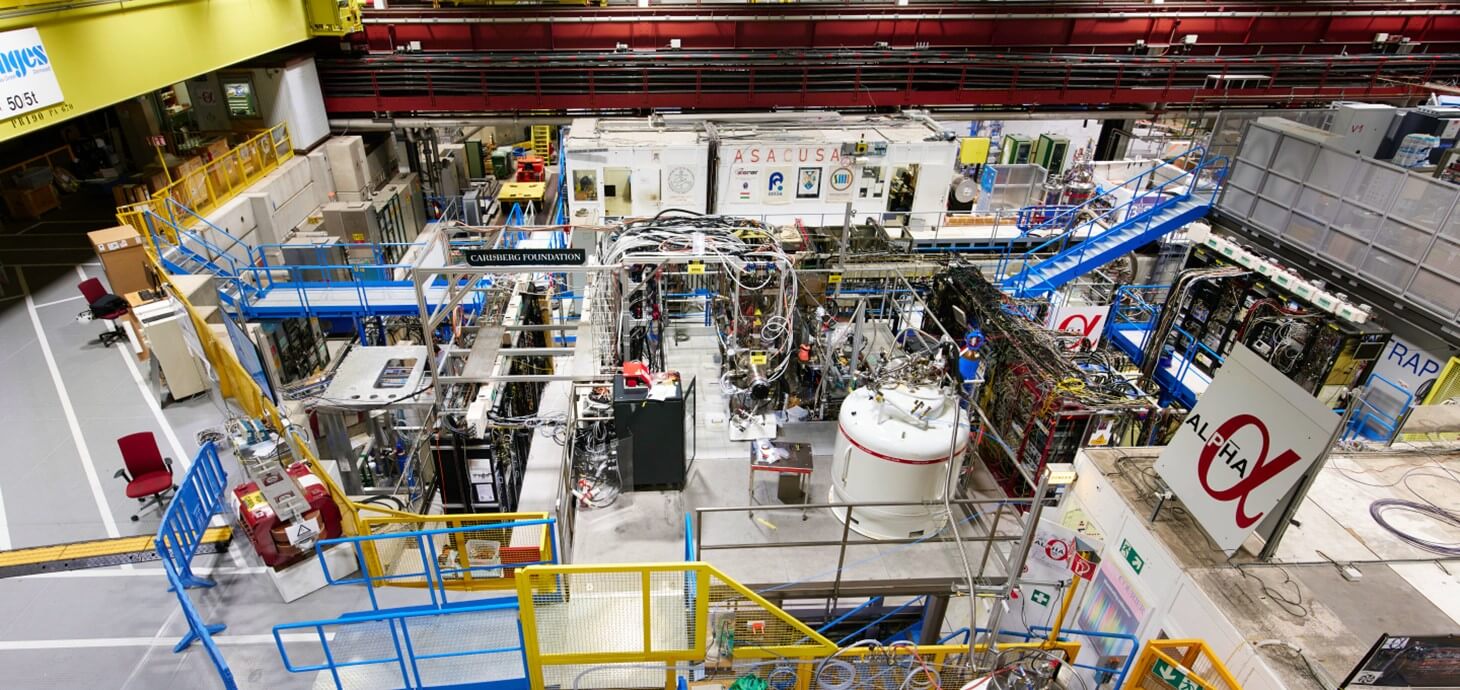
729,345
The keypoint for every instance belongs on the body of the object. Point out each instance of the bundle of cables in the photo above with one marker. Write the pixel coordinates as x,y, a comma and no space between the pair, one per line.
750,253
1424,508
1383,510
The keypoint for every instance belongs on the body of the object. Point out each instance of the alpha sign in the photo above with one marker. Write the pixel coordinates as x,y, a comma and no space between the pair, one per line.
1249,439
27,78
1085,320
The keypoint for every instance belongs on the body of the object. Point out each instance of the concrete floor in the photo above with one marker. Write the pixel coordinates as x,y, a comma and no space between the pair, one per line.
650,526
64,400
1402,590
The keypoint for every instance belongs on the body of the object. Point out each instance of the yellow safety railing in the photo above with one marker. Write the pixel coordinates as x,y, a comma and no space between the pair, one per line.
235,383
385,558
613,619
1179,665
578,616
205,189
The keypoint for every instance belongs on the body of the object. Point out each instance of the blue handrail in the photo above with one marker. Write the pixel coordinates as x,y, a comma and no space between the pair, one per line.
1065,634
406,657
1075,211
1138,208
1130,656
435,575
689,532
918,601
1044,217
173,206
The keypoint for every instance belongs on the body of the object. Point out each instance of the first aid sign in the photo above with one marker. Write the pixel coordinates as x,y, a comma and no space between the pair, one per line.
1250,438
27,77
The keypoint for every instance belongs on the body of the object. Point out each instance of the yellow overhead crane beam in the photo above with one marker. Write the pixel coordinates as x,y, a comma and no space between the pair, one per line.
105,53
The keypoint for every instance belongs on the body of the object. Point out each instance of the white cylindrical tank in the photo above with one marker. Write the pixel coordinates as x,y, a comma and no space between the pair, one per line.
894,447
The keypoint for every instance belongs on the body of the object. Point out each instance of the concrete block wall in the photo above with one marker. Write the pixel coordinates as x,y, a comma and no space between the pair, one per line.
271,207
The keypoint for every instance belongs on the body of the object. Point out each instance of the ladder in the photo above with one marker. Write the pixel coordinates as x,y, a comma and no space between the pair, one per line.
542,136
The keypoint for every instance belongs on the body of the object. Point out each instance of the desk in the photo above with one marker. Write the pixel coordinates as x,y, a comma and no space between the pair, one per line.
793,472
139,344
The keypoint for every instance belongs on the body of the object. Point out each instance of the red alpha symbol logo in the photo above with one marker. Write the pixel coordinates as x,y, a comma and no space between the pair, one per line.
1220,444
1087,325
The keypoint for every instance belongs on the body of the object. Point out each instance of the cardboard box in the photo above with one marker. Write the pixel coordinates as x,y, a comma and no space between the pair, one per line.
114,239
122,257
128,194
215,149
31,203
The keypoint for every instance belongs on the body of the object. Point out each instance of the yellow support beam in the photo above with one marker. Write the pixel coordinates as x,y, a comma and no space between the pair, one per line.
105,53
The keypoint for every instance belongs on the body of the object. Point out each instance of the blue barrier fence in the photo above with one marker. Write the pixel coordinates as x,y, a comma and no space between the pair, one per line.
199,497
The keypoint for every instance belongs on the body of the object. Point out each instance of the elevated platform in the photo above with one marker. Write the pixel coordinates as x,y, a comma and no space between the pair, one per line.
1180,380
1336,582
971,238
287,300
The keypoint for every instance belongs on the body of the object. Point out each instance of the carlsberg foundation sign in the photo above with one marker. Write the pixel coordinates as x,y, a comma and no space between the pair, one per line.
27,80
1247,442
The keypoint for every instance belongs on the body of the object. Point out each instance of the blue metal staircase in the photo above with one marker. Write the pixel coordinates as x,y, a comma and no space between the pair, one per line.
188,243
1148,215
191,253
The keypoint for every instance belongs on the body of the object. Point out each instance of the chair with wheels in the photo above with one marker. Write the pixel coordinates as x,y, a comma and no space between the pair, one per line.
148,474
104,305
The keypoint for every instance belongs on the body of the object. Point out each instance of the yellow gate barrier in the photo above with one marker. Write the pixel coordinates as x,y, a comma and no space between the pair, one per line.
629,624
1179,665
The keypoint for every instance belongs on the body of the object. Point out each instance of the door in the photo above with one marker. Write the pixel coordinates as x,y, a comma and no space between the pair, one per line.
618,196
647,192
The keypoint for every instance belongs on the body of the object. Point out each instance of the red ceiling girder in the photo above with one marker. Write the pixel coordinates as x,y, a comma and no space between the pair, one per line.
840,99
795,55
1229,34
867,79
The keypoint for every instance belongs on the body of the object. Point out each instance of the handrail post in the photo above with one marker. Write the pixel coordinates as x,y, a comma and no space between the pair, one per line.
841,560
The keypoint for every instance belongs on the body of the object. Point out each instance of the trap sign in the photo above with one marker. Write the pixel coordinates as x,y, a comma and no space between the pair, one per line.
1250,438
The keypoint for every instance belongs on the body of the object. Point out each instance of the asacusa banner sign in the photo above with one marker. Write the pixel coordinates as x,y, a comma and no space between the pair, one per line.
1248,441
27,79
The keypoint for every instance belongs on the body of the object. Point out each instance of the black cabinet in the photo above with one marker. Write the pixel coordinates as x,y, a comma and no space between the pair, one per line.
653,437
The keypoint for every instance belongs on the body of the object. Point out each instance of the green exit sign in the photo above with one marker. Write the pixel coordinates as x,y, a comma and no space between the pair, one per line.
1174,675
1131,557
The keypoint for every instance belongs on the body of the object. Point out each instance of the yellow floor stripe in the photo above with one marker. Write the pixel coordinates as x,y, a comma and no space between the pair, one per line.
93,549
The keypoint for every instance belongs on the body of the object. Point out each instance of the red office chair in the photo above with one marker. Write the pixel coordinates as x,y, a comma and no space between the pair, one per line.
104,305
148,474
